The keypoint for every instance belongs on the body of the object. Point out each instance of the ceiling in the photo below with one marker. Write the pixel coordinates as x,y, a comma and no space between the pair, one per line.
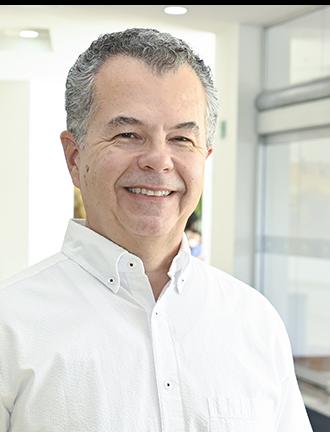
199,17
208,17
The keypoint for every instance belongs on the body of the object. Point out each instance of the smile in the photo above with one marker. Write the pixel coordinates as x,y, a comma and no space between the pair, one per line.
149,192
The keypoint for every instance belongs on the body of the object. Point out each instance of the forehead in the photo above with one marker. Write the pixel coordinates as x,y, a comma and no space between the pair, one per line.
124,81
129,69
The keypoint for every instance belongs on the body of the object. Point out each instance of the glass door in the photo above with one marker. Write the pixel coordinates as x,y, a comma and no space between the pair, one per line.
294,244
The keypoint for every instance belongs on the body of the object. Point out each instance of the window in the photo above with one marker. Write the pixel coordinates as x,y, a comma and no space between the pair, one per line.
295,244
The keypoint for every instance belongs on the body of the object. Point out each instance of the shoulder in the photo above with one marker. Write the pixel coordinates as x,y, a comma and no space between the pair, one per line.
32,271
241,306
235,296
25,285
219,280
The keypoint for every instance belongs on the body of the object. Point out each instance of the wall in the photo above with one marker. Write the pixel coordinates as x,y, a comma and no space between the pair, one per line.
238,68
14,176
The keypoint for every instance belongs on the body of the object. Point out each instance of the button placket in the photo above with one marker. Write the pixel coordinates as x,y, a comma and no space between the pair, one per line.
168,385
166,372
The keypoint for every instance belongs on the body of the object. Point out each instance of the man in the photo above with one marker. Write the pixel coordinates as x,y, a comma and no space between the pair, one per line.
123,330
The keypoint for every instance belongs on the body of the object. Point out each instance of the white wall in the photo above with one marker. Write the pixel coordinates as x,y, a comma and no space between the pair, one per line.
224,157
14,176
50,188
234,166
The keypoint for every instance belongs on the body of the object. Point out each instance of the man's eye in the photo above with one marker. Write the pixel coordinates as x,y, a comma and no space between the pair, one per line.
127,135
182,140
125,139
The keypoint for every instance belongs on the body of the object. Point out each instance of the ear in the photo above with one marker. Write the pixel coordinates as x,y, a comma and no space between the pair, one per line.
71,151
209,152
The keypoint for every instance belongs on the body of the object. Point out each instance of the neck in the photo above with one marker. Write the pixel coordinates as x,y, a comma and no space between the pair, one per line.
157,255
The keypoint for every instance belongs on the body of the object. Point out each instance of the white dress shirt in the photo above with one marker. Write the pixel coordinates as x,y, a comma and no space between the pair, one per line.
84,347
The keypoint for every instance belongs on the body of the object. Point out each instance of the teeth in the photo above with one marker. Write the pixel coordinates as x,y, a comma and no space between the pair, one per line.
149,192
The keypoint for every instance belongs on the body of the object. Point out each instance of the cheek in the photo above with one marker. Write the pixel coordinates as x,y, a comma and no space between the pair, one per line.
86,175
100,180
91,181
194,176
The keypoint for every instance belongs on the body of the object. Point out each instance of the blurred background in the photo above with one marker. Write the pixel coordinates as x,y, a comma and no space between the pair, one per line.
265,212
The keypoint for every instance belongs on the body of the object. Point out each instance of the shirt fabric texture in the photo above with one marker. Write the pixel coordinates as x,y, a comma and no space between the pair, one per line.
84,347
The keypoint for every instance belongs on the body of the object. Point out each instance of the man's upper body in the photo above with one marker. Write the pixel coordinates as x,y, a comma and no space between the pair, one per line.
140,165
123,330
86,347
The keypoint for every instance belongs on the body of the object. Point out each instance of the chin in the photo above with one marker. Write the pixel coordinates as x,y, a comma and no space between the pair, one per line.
151,229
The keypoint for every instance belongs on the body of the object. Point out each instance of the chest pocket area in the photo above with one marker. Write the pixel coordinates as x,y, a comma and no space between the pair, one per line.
228,414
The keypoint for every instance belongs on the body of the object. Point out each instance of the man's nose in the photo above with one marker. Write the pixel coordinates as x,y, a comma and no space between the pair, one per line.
156,158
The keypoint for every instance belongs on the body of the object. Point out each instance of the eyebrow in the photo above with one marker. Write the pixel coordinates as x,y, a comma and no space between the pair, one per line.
123,120
191,125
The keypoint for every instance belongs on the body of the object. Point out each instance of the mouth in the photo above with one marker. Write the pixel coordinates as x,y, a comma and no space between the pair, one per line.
149,192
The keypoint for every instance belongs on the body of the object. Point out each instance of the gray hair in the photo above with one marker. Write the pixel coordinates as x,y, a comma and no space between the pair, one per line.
161,51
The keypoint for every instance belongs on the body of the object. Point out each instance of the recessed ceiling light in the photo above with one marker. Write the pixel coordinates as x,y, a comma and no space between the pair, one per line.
29,34
175,10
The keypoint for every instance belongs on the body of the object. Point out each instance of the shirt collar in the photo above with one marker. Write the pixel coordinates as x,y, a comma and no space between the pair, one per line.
106,260
180,264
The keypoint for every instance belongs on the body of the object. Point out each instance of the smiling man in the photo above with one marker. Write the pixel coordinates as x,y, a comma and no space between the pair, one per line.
140,168
124,330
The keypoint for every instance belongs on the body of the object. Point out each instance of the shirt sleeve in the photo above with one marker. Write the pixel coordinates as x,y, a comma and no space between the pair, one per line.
4,417
292,413
4,414
5,372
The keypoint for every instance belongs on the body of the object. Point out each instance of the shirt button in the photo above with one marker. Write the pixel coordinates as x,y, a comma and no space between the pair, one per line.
131,264
111,280
168,385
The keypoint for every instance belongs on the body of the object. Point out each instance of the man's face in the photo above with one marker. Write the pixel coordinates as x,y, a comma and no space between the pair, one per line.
141,169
